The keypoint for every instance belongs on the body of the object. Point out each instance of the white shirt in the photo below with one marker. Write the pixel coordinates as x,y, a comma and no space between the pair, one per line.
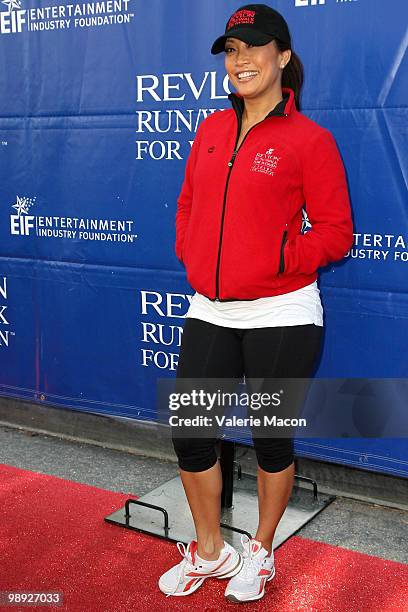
299,307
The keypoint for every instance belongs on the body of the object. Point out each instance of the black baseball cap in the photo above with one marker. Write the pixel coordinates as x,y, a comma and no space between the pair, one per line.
256,24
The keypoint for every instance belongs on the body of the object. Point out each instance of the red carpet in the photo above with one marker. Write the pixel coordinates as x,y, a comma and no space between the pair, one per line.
53,538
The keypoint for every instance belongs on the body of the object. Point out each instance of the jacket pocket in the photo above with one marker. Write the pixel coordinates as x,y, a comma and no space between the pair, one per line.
281,268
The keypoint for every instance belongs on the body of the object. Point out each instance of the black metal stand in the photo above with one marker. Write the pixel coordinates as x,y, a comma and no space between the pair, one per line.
227,456
177,525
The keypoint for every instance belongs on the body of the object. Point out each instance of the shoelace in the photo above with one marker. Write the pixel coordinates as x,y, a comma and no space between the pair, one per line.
251,565
184,552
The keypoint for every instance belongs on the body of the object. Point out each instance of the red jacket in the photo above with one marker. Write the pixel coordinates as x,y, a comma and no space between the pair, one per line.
239,213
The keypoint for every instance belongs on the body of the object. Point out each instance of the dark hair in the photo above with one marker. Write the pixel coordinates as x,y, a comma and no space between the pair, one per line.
292,75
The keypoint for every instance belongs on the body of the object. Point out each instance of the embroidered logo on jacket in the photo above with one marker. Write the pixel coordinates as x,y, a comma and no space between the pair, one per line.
265,162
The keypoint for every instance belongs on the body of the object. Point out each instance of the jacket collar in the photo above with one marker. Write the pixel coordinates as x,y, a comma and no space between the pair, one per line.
283,108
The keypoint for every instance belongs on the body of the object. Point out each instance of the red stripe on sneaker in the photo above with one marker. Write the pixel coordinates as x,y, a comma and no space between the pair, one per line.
222,563
190,584
214,570
264,572
193,549
262,585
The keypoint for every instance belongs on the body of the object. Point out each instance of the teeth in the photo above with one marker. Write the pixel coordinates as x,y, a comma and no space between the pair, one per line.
243,75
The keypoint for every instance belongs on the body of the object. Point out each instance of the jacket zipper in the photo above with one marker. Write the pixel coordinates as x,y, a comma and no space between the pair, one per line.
230,164
282,259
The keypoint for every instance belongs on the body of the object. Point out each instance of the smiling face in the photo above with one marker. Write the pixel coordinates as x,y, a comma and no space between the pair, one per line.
263,63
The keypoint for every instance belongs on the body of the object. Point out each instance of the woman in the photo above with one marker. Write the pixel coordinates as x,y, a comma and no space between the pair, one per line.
251,171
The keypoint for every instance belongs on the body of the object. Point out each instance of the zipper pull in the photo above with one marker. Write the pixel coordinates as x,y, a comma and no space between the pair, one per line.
230,163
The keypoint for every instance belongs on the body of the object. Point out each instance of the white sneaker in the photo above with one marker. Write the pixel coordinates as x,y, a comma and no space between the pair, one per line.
185,577
257,569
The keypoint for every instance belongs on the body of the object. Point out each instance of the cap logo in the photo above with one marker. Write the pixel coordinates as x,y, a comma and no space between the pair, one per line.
240,17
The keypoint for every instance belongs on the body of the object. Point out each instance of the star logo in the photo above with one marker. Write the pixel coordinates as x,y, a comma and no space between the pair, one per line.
23,205
12,4
306,225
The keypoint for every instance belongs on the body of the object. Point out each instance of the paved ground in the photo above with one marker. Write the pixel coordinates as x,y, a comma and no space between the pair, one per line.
368,528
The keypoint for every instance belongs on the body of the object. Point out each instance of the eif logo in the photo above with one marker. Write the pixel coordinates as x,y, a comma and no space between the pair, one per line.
12,21
309,2
22,223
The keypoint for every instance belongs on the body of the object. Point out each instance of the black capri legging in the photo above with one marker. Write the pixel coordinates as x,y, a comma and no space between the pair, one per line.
213,351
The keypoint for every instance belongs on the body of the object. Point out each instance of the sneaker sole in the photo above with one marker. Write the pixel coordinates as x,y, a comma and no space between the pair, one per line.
233,598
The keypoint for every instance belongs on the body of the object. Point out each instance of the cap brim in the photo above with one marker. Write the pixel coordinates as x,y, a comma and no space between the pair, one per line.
247,35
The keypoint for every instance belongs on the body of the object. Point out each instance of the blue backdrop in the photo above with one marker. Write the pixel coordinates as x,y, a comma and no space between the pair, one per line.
100,103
